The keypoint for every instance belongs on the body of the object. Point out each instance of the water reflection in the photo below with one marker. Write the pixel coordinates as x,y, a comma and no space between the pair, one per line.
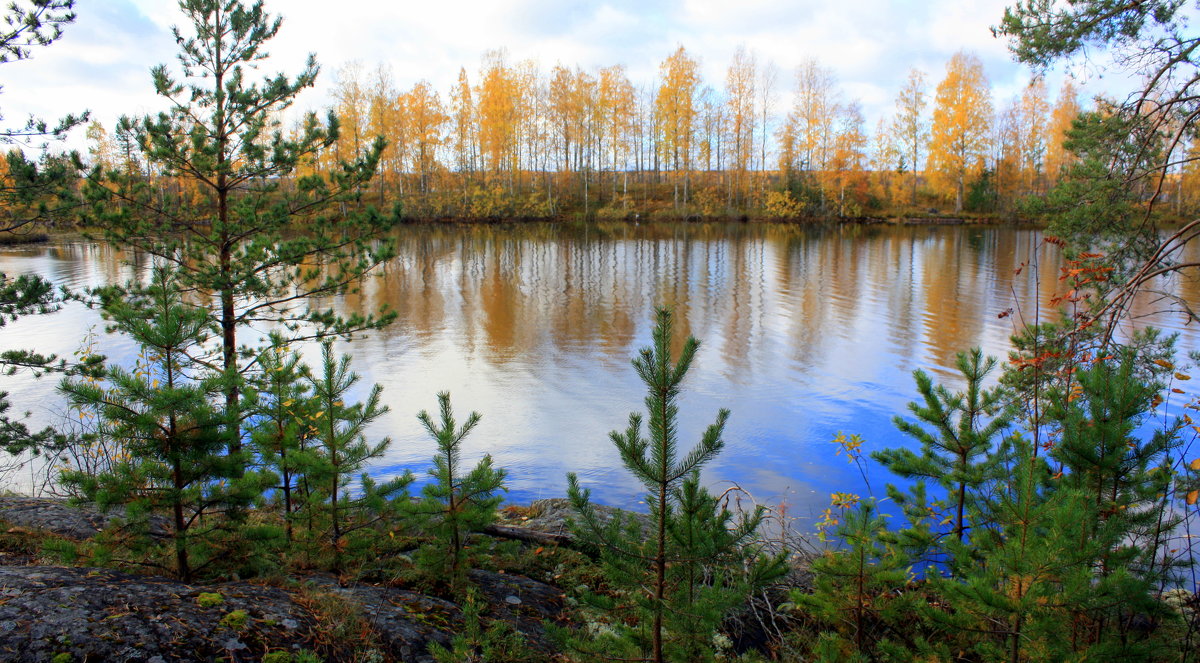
804,332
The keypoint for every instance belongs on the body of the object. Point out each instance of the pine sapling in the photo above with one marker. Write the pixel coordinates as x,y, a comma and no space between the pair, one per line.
454,504
282,422
858,589
678,579
958,434
162,411
342,447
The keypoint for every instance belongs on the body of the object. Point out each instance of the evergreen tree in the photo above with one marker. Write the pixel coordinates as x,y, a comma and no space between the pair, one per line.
858,591
1071,556
957,448
1010,588
162,411
672,584
453,505
714,568
340,451
1125,519
33,193
217,209
283,424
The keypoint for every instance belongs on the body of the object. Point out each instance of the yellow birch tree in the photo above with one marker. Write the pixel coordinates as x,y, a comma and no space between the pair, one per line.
910,127
1066,109
426,120
739,94
675,114
962,121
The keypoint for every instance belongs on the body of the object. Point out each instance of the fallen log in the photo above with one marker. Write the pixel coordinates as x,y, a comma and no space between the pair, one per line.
530,535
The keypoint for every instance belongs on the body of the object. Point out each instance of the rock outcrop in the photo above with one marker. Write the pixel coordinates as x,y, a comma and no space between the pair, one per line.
86,614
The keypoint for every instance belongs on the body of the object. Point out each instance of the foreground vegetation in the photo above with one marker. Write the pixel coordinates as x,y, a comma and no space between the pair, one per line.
1045,516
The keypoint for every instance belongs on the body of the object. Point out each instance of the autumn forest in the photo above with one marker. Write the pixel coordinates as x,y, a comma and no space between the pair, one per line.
516,141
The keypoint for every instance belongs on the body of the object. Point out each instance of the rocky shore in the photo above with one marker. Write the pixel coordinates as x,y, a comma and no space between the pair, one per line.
61,614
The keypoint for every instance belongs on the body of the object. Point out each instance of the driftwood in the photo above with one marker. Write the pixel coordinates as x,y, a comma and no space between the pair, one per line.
530,535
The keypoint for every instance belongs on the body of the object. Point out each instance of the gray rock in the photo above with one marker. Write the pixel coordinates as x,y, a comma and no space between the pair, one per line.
106,615
552,515
57,516
536,603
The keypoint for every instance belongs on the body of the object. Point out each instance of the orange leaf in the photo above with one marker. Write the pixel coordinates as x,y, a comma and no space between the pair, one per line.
1194,465
1175,390
1165,364
538,551
1181,377
1192,497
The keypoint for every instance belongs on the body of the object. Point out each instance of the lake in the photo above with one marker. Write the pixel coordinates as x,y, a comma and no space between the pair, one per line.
804,332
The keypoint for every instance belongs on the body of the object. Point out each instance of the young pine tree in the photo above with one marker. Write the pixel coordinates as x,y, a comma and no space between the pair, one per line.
454,504
1123,518
674,583
163,412
858,591
222,206
340,450
1003,596
1068,558
283,423
958,440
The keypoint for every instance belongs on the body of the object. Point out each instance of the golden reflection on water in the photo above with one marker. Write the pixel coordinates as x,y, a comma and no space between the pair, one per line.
804,332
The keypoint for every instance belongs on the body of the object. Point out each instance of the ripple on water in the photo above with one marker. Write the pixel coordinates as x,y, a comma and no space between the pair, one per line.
805,332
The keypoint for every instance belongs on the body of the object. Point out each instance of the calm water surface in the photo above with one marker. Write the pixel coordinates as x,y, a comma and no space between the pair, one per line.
804,333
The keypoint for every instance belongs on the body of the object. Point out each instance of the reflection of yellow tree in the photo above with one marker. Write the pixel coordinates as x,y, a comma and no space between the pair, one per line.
962,120
952,298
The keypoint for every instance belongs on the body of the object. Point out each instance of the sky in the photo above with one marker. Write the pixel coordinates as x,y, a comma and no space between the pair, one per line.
102,62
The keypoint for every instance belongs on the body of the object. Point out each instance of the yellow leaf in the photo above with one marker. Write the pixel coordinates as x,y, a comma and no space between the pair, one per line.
1194,465
1192,497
